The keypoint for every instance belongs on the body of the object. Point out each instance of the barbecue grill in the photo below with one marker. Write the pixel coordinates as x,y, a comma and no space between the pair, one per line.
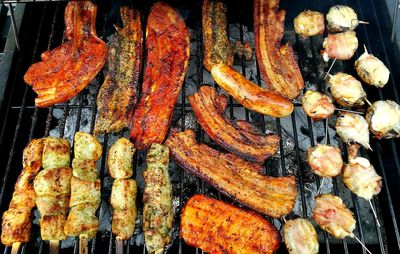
30,27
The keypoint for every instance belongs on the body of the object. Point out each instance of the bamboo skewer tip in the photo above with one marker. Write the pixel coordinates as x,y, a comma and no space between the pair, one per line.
363,22
53,247
119,245
15,247
83,244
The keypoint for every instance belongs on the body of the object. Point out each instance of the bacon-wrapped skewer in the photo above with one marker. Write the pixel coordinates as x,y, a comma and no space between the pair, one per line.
353,127
341,46
325,160
309,23
300,237
346,90
383,118
342,18
372,70
316,105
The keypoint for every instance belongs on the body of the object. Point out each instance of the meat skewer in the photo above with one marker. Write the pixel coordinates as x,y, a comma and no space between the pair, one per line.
342,18
372,70
309,23
360,177
85,191
218,227
341,46
123,193
383,118
317,105
52,186
17,220
300,237
325,160
353,127
118,94
157,200
346,90
334,217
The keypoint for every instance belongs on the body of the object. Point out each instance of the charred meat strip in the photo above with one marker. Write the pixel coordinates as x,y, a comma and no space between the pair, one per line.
157,200
119,159
216,45
85,188
17,220
168,48
277,63
238,179
123,202
238,137
249,94
118,95
218,227
69,68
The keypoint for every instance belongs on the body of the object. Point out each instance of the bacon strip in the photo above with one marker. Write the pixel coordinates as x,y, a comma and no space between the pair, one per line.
218,227
168,48
238,179
69,68
277,63
119,93
238,137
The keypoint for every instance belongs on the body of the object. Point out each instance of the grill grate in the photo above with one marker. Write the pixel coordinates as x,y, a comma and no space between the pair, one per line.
43,29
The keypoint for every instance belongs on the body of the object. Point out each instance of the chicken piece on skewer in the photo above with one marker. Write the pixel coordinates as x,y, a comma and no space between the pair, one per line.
123,202
383,118
346,90
119,159
56,153
83,191
32,153
317,105
372,70
342,18
82,220
333,216
341,46
309,23
300,237
353,127
325,160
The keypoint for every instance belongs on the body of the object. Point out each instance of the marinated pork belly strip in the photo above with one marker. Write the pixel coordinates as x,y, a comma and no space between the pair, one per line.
17,220
168,48
277,63
238,137
216,45
69,68
238,179
249,94
218,227
118,95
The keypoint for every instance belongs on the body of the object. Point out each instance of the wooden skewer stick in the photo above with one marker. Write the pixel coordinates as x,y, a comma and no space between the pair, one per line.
367,101
355,237
363,22
330,68
119,245
365,48
350,111
15,247
53,247
374,212
83,244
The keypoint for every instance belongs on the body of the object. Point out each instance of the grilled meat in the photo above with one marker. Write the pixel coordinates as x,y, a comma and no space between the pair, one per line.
383,118
346,90
300,237
238,137
56,153
118,95
157,200
341,46
309,23
85,188
249,94
123,202
353,127
17,220
372,70
324,160
53,182
341,18
317,105
360,176
69,68
119,159
216,45
52,226
333,216
53,204
168,47
218,227
85,169
239,179
277,63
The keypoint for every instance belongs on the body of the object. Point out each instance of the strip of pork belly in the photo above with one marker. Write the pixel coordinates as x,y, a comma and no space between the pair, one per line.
69,68
119,93
168,49
277,63
237,178
238,137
